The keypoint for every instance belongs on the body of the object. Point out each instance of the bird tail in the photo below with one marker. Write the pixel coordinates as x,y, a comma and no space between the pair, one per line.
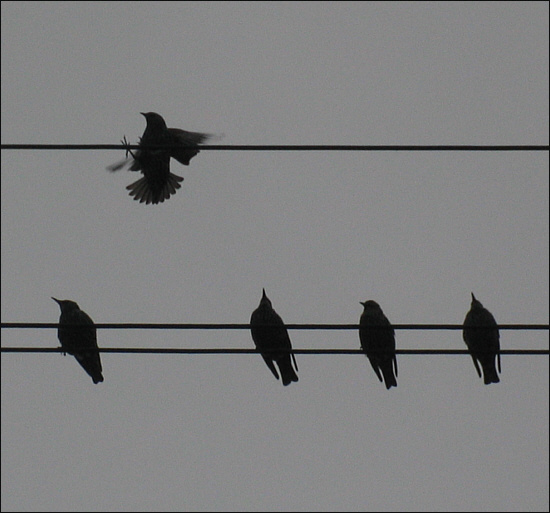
487,362
91,363
97,378
490,375
387,372
288,374
146,192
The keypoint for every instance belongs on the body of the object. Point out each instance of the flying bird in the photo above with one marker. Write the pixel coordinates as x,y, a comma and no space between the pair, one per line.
377,338
77,334
158,183
480,332
271,338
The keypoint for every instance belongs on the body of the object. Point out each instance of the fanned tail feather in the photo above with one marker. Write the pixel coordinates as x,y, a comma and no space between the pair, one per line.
141,189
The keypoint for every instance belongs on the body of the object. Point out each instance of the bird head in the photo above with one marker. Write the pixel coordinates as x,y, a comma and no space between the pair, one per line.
475,302
154,119
370,305
66,305
265,301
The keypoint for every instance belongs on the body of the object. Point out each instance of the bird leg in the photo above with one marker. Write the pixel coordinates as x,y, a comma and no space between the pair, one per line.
126,145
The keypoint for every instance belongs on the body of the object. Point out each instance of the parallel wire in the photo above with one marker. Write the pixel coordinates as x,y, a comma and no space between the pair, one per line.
234,326
291,147
208,326
289,326
149,350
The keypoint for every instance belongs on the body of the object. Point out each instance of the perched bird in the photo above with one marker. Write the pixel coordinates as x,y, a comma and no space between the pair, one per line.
271,338
378,341
480,332
158,183
77,335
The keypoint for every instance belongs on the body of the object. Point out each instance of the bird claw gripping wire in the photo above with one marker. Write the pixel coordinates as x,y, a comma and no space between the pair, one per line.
126,145
119,165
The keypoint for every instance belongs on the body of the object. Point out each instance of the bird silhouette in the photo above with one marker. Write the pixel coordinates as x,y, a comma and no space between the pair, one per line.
158,183
77,334
480,332
377,338
271,338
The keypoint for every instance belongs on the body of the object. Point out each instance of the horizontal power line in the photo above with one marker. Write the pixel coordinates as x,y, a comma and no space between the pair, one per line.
291,147
233,326
149,350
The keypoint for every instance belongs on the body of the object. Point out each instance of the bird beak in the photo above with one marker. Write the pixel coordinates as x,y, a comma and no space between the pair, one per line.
263,293
57,301
473,297
143,114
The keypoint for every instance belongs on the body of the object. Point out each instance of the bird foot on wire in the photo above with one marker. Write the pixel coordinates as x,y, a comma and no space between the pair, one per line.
126,145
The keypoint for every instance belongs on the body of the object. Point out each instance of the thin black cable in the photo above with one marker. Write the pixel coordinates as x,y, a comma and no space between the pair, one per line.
210,326
291,147
234,326
149,350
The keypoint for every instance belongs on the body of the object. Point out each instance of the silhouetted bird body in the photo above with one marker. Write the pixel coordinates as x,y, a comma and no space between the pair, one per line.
377,338
77,334
271,338
158,183
480,332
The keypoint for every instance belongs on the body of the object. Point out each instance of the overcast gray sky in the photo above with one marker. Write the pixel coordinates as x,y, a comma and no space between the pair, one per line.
321,231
